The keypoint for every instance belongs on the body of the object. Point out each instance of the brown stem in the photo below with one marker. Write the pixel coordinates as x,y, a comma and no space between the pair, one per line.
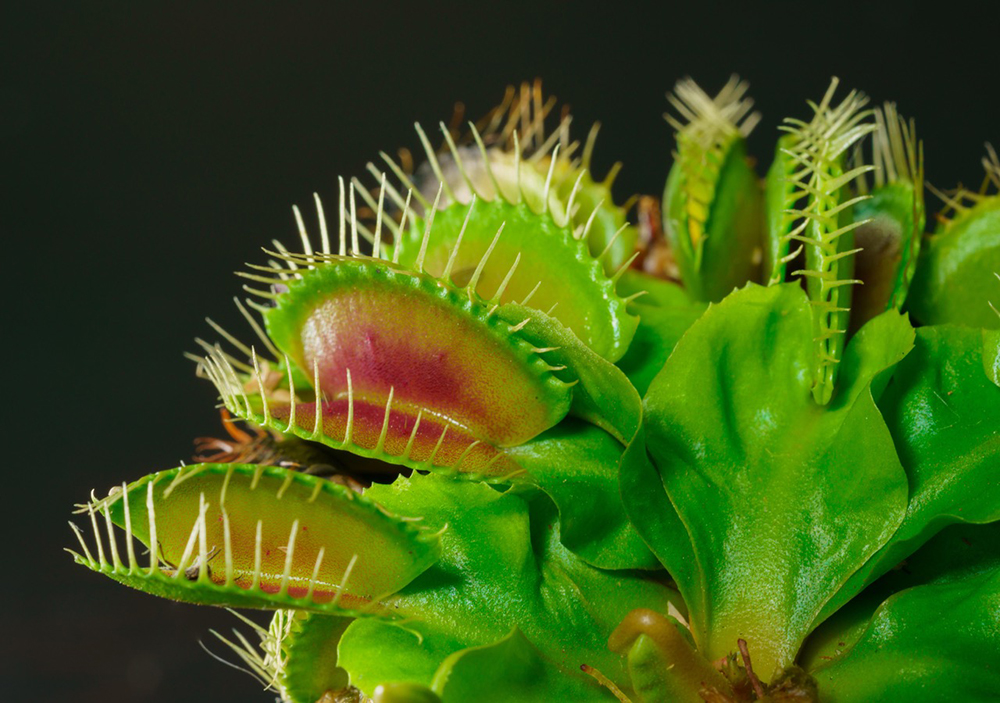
754,681
606,682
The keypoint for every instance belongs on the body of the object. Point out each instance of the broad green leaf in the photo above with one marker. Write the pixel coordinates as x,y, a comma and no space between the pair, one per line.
764,479
935,638
658,333
955,279
958,551
257,537
503,566
944,417
576,464
378,653
649,507
664,315
511,669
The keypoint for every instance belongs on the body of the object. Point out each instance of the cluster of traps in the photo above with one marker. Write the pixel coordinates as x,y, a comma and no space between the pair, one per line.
453,484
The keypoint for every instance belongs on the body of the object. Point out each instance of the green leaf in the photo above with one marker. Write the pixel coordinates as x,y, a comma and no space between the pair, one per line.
664,315
257,537
503,566
511,669
601,392
650,509
657,335
576,464
383,653
943,414
955,279
957,551
764,479
934,634
991,355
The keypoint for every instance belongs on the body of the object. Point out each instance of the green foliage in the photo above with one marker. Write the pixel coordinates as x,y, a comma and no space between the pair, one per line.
949,592
788,523
961,258
493,455
498,549
943,415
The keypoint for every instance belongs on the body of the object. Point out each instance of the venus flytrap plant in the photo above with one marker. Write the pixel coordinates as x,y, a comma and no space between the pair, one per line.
490,461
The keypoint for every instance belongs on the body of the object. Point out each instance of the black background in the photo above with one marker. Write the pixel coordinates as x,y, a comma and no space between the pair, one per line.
148,149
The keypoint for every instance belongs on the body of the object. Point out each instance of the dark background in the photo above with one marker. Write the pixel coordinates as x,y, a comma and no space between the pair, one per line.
148,149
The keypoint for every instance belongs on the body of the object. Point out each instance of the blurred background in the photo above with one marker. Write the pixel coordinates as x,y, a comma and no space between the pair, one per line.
147,150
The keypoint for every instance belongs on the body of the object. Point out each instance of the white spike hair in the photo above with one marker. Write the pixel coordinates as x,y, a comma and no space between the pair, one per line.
194,562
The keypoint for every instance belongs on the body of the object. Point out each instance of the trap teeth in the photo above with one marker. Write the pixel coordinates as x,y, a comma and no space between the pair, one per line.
245,535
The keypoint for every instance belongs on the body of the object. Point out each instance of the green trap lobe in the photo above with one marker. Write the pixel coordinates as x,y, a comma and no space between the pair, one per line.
955,278
241,534
570,281
594,203
420,341
310,647
779,189
713,218
889,241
